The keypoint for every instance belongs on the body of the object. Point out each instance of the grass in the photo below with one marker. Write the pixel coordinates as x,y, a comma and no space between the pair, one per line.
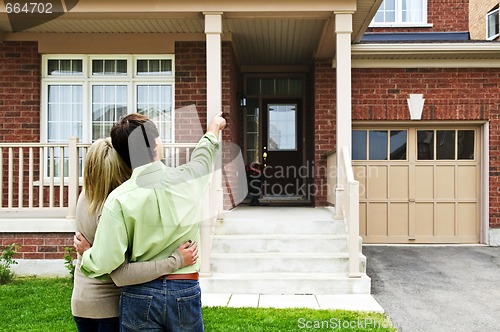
37,304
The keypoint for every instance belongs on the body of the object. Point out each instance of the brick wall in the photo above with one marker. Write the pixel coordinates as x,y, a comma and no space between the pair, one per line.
190,91
444,15
19,92
324,126
19,101
191,101
38,245
380,94
233,134
477,17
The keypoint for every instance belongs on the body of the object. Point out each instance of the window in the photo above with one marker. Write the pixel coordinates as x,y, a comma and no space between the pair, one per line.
85,95
401,12
492,24
282,127
445,145
379,144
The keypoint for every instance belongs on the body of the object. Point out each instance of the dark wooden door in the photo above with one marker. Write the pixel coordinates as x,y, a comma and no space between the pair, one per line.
282,150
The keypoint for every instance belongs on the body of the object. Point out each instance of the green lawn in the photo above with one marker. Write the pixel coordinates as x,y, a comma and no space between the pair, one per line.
36,304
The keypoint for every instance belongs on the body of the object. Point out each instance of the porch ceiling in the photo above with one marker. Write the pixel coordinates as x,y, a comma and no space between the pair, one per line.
264,33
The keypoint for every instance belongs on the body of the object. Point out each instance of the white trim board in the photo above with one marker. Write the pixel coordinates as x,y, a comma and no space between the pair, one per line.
35,225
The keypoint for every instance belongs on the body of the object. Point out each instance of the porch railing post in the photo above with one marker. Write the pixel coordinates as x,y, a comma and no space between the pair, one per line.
339,209
73,176
354,268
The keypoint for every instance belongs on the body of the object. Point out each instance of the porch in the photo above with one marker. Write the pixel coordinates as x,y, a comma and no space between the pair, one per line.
269,244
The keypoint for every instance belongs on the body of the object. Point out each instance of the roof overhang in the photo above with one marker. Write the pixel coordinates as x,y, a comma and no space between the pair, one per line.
426,55
263,32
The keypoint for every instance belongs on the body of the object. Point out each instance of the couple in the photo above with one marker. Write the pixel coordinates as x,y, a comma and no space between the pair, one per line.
150,220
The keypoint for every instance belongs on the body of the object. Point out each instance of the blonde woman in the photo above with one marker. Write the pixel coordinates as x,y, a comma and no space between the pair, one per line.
95,302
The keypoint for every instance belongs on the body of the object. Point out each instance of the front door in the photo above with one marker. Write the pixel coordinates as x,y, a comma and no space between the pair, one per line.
282,150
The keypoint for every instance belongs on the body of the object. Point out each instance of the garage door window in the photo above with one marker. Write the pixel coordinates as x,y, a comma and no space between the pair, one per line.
445,144
379,144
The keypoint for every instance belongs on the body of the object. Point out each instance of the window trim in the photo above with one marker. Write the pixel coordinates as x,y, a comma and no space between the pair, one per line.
398,23
87,80
487,16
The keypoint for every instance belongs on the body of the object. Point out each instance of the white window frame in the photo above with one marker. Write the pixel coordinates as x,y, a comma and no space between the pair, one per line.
131,80
488,15
398,23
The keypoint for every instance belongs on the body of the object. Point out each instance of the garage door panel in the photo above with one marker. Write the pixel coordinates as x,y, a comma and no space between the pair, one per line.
424,184
445,182
424,220
398,219
398,182
467,216
377,182
376,219
360,176
445,219
467,182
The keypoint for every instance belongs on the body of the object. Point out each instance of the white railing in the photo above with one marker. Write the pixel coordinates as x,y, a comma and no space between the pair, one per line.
38,177
43,180
47,176
347,207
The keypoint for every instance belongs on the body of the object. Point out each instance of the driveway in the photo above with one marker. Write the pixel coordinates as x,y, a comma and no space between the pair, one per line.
437,288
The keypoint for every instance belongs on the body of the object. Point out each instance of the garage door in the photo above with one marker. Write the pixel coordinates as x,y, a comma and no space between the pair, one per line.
418,185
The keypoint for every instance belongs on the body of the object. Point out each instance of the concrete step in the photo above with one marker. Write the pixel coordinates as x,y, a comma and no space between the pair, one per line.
285,283
289,226
268,243
282,262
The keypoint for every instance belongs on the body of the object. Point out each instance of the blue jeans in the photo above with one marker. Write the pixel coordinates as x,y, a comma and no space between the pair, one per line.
161,305
97,325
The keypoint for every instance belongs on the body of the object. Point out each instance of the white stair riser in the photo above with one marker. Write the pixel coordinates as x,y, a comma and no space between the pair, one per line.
280,264
298,286
229,244
280,227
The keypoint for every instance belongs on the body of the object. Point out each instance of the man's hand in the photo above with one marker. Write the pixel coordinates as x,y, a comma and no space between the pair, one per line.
189,253
80,243
217,124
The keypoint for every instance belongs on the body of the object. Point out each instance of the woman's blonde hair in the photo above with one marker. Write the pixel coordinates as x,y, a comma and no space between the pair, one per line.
104,171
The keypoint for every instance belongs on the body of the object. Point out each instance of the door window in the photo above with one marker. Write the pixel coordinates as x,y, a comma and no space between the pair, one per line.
282,127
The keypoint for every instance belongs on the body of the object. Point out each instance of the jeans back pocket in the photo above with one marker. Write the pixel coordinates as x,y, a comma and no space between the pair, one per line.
189,308
135,310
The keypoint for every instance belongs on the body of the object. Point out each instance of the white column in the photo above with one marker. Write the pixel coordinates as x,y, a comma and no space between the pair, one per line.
213,31
343,31
213,202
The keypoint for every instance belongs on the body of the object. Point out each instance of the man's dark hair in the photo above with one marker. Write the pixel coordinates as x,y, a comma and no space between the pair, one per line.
134,139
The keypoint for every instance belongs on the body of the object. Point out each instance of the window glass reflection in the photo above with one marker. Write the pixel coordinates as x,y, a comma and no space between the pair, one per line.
465,144
425,142
378,144
445,144
359,145
398,144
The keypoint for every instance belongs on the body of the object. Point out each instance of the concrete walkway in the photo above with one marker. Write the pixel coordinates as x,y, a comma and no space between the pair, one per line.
357,302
